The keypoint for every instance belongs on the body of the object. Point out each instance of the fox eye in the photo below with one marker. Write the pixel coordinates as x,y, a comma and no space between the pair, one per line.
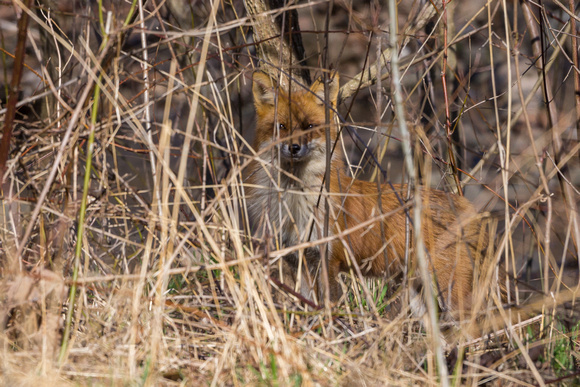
281,127
310,126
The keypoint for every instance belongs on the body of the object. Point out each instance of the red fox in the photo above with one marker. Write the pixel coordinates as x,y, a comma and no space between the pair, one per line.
285,182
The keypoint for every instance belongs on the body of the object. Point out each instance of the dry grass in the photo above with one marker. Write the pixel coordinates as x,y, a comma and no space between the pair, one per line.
124,246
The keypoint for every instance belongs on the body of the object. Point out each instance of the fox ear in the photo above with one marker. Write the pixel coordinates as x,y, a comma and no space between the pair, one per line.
318,89
263,89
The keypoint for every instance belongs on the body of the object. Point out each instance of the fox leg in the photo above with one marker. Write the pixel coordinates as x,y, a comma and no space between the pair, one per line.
307,276
335,290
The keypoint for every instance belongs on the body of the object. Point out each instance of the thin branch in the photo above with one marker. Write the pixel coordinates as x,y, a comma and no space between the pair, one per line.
369,77
567,191
14,86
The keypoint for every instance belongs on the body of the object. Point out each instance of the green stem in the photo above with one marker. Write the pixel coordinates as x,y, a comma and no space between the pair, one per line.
130,15
81,224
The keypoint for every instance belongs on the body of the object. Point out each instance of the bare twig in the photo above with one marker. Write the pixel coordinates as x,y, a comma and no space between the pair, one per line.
574,38
369,77
567,191
14,88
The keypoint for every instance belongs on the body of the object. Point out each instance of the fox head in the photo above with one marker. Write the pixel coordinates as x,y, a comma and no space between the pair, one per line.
293,121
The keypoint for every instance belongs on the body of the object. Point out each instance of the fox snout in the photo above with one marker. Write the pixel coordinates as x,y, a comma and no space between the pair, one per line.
294,151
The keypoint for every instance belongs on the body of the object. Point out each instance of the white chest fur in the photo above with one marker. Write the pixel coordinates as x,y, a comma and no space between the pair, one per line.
286,201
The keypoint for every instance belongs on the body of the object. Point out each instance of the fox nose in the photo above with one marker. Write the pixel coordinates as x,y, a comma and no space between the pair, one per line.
295,149
294,152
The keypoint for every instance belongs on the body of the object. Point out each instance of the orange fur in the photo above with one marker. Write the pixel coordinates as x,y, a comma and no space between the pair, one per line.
285,182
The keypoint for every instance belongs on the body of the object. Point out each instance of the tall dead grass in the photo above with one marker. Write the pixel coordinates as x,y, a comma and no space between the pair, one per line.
124,240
